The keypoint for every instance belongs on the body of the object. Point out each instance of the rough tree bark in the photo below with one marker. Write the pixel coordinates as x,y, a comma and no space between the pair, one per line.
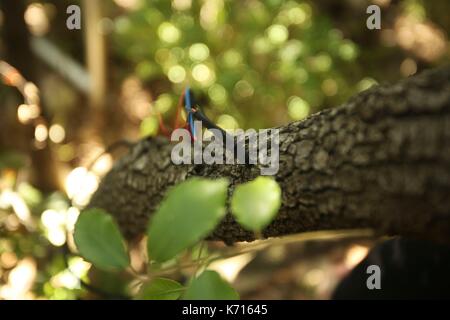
381,161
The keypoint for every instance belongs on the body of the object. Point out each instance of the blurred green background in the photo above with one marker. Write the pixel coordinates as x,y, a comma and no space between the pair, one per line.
251,63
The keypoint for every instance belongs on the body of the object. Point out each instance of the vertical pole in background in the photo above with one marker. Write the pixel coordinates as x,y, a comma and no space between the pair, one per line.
95,51
18,53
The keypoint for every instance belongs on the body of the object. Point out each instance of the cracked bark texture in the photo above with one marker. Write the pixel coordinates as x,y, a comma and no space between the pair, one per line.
380,161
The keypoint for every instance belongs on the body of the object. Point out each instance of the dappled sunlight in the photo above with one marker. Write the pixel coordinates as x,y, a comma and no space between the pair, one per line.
20,281
354,255
37,20
229,268
80,184
424,39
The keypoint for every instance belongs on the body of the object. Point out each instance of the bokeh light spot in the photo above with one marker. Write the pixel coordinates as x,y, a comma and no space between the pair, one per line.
243,89
366,83
408,67
149,127
41,133
167,32
277,33
202,73
348,51
199,52
217,93
227,122
57,133
329,87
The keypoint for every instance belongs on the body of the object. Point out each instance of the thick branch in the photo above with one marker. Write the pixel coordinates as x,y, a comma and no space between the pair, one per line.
381,161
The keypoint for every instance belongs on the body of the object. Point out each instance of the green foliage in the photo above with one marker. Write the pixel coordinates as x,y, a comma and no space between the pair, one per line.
256,203
161,289
190,211
210,286
99,240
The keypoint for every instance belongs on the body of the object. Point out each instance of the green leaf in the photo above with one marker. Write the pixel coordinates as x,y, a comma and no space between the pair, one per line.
189,213
210,286
256,203
99,240
161,289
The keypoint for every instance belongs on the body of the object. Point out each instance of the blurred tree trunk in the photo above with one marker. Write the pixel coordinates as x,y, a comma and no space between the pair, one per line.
380,161
19,55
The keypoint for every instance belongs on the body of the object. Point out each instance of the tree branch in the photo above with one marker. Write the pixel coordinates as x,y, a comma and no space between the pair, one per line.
380,161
